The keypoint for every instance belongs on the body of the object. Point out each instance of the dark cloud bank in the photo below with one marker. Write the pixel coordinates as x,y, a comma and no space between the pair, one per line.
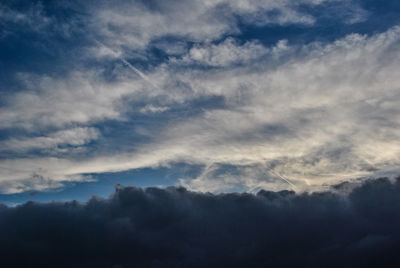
174,227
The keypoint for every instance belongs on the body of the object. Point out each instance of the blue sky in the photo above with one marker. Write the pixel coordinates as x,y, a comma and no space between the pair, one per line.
210,95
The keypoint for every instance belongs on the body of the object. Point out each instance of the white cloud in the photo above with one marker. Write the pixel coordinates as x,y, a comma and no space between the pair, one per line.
327,112
153,109
226,53
38,182
316,117
74,137
129,28
327,102
81,97
217,177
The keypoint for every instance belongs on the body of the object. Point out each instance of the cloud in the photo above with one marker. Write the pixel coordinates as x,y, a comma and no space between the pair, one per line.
174,227
153,109
224,177
306,116
73,137
36,19
40,182
309,119
32,18
226,53
191,82
194,21
81,97
309,114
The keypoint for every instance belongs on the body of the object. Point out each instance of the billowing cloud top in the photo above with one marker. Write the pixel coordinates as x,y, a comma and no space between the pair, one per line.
174,227
259,94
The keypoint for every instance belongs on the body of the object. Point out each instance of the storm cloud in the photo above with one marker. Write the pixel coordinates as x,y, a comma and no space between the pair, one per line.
174,227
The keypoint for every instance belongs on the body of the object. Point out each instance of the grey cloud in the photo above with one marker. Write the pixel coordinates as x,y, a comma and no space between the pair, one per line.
174,227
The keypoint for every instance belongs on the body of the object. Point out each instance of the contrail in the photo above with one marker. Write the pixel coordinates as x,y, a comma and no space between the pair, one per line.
142,75
133,68
281,177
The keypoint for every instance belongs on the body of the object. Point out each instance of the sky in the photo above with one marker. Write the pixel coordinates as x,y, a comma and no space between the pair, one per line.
201,133
212,95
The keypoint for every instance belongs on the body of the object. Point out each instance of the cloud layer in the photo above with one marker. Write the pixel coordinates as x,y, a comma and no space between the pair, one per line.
113,87
174,227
